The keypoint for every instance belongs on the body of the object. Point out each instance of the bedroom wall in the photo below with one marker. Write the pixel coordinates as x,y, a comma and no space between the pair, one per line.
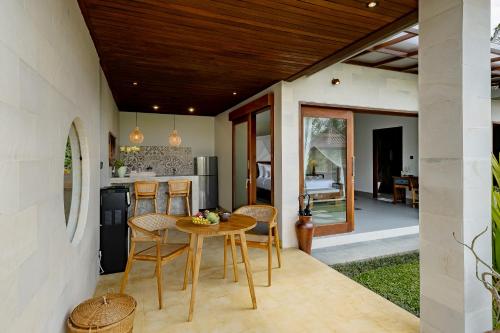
50,76
364,124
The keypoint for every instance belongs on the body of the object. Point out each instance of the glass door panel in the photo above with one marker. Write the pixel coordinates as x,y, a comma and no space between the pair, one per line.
327,168
240,164
262,175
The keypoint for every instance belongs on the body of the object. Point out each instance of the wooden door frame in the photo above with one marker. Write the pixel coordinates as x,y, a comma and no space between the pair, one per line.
375,156
331,112
248,113
234,124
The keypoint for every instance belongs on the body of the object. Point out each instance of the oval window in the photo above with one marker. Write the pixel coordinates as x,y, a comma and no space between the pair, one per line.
72,181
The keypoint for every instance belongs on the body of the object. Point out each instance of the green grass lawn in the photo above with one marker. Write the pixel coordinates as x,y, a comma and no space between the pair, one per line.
395,278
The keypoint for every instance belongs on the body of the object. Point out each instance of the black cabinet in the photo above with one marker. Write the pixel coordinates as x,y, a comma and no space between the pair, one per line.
113,243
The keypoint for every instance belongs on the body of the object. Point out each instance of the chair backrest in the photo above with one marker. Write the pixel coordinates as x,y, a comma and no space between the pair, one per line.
146,226
262,213
414,183
179,187
145,188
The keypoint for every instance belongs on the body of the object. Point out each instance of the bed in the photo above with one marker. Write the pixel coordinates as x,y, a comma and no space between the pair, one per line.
324,190
263,181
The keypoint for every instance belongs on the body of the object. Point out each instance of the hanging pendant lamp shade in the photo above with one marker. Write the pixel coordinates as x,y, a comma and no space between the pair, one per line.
136,136
174,138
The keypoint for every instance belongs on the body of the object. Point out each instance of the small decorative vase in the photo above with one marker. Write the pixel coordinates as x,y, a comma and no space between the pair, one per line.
121,171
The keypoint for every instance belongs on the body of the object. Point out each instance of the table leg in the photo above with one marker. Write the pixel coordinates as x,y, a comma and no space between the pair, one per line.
248,269
235,260
196,273
189,260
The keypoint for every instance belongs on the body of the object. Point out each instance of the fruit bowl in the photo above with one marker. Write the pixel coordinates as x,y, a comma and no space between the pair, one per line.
202,221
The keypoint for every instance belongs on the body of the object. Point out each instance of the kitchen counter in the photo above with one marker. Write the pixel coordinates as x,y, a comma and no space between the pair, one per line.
146,206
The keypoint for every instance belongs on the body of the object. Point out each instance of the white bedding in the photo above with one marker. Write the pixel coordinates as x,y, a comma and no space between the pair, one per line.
264,183
321,186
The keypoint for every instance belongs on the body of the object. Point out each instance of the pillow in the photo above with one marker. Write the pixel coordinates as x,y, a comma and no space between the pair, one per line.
267,171
261,169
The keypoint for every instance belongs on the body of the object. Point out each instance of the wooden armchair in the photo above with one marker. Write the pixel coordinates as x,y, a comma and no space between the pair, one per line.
261,237
148,229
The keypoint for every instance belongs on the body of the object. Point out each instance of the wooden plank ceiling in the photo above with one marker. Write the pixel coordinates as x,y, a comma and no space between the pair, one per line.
400,53
210,55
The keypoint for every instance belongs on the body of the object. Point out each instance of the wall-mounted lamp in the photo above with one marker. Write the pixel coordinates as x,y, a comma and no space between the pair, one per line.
335,81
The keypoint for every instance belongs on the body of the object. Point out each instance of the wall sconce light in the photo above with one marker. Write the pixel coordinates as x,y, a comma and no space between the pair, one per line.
335,81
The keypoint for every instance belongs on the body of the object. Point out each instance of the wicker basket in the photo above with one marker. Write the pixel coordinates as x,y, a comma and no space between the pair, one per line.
111,313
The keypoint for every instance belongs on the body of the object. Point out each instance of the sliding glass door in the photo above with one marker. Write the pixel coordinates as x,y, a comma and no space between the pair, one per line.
327,168
253,149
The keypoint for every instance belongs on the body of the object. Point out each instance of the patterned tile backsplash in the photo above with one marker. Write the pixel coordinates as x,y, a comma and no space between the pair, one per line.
164,160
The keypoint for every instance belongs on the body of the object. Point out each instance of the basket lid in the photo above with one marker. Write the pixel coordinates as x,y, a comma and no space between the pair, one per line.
103,311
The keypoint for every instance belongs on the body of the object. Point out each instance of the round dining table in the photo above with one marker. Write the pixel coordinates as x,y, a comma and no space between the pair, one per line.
236,225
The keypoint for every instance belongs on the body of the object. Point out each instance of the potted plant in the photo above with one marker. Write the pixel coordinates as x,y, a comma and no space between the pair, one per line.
120,168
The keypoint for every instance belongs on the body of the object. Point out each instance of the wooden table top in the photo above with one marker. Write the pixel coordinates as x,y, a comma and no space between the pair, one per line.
236,224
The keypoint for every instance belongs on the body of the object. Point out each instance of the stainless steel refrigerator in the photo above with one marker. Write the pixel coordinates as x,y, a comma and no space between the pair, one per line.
206,168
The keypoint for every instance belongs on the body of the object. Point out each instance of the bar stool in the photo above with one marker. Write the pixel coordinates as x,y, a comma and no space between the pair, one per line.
145,190
179,189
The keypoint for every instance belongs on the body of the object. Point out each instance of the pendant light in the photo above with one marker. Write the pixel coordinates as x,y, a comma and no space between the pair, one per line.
136,136
174,139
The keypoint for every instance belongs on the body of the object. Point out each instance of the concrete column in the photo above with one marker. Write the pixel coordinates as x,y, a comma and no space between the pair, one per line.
455,145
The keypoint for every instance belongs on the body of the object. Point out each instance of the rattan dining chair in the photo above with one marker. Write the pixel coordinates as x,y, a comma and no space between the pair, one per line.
148,229
261,237
179,189
145,190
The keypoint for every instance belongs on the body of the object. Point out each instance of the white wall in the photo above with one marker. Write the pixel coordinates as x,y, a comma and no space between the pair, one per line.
196,132
49,75
364,124
109,124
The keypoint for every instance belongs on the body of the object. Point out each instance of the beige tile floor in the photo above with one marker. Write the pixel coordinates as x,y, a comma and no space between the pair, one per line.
306,296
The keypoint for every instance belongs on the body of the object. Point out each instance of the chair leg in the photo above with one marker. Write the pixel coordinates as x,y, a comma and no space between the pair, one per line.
165,236
158,275
269,256
169,204
235,263
224,275
189,261
277,245
128,267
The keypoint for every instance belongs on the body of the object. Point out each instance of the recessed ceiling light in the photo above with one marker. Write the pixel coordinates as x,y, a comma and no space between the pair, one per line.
156,107
135,83
191,109
336,82
234,93
372,4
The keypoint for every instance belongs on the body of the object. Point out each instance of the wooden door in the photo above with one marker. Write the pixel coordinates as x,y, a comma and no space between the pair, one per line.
241,162
326,152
